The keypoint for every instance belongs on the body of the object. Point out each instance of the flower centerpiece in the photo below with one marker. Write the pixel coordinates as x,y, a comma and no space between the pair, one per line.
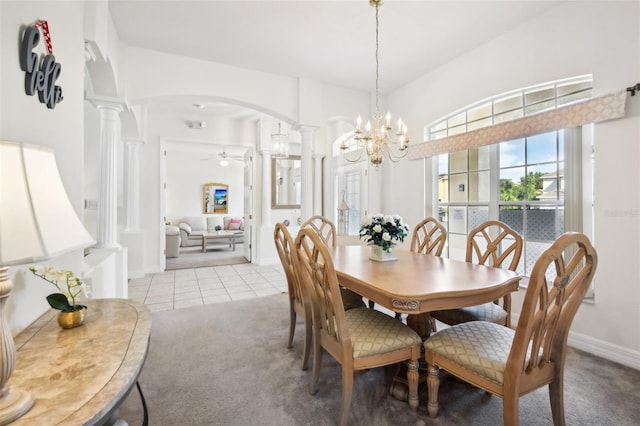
65,300
380,231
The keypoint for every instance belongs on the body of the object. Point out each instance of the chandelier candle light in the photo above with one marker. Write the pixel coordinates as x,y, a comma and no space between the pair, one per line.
376,139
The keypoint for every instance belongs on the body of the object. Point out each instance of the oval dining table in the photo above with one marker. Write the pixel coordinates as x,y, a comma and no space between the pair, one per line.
417,283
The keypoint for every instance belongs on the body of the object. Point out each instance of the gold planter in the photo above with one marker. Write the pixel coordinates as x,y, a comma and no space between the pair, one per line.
71,319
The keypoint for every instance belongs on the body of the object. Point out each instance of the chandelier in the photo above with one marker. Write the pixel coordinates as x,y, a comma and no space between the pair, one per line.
376,138
279,144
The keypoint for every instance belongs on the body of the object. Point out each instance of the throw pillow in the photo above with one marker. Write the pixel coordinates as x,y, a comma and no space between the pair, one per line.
234,224
186,227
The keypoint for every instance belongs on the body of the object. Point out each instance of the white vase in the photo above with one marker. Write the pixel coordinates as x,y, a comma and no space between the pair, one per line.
379,255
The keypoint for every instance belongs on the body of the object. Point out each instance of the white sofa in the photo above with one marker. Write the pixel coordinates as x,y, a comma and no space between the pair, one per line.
172,241
192,228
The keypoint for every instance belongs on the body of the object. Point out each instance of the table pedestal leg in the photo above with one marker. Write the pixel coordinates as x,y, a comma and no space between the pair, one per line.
421,324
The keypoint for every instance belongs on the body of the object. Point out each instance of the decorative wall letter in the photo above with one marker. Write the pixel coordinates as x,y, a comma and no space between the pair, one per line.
40,79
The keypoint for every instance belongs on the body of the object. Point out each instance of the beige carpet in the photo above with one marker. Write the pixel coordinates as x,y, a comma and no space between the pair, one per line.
227,364
193,257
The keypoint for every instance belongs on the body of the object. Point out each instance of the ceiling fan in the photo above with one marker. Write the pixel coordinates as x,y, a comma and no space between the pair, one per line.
224,158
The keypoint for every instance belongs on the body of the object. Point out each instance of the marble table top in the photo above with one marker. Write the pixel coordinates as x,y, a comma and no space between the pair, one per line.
81,375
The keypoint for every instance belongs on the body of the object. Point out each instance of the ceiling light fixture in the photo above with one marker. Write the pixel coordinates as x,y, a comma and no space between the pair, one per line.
375,139
279,143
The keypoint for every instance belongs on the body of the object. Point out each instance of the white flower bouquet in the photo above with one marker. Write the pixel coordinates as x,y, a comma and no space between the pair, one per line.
382,230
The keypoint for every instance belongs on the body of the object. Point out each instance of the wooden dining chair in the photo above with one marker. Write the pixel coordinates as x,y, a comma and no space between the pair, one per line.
428,237
510,363
493,243
327,231
299,303
359,338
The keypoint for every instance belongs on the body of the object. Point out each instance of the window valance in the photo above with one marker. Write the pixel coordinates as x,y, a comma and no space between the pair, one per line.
602,108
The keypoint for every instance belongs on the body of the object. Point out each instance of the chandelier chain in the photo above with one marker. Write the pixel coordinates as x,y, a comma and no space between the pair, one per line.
375,138
377,61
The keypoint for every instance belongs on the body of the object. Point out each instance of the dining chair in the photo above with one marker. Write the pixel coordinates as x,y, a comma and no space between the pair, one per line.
299,303
327,231
510,363
493,243
428,237
359,338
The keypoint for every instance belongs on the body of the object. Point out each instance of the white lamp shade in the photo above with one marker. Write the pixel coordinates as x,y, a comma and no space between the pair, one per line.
37,220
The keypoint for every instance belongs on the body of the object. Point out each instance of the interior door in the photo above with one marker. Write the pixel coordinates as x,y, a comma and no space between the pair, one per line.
248,203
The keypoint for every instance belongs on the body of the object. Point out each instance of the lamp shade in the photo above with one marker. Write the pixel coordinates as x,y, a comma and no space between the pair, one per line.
37,220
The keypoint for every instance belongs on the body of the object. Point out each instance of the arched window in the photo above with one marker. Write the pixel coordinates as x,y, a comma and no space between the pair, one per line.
538,184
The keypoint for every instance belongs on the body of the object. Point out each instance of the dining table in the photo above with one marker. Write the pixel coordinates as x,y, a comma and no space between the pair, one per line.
417,283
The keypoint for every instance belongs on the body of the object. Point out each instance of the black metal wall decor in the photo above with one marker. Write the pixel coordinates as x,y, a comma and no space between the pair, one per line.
40,76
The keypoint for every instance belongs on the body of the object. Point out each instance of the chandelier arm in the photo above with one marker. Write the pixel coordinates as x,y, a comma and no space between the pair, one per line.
356,159
395,158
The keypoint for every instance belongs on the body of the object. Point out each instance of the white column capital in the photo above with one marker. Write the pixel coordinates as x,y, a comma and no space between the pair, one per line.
114,104
305,130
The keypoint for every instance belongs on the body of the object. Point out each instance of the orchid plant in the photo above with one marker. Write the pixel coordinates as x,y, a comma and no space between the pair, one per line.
381,230
68,285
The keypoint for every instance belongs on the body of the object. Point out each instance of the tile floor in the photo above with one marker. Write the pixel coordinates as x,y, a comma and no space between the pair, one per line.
200,286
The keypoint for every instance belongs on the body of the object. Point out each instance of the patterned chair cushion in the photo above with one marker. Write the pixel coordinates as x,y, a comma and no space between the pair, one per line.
485,312
482,347
374,333
351,300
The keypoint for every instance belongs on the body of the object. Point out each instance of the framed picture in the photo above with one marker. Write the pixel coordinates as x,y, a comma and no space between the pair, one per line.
215,198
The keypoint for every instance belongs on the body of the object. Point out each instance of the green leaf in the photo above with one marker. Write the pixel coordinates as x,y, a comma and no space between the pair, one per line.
59,301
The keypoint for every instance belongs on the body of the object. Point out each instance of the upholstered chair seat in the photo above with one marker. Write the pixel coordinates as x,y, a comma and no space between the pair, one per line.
482,347
486,312
374,333
350,299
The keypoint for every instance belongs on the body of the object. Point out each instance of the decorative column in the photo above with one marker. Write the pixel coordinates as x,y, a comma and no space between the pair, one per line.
306,206
107,205
317,184
132,185
266,187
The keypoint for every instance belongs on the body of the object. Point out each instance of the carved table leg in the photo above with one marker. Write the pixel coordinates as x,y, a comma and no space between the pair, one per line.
433,383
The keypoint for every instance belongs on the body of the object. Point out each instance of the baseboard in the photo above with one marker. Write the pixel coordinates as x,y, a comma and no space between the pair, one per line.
597,347
610,351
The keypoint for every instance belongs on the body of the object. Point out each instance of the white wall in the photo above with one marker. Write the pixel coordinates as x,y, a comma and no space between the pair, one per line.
575,38
146,81
24,119
187,172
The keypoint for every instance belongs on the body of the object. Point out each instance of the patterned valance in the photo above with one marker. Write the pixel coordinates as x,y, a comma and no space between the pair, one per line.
602,108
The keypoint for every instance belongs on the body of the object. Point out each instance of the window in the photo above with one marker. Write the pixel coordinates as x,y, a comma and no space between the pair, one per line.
348,182
512,105
521,182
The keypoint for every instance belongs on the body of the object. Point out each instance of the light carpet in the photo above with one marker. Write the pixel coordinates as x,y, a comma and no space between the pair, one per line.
227,364
193,257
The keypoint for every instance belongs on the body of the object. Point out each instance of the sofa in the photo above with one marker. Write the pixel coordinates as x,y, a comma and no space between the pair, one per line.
172,235
192,227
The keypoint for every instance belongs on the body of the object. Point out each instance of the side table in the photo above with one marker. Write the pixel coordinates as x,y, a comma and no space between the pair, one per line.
81,375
